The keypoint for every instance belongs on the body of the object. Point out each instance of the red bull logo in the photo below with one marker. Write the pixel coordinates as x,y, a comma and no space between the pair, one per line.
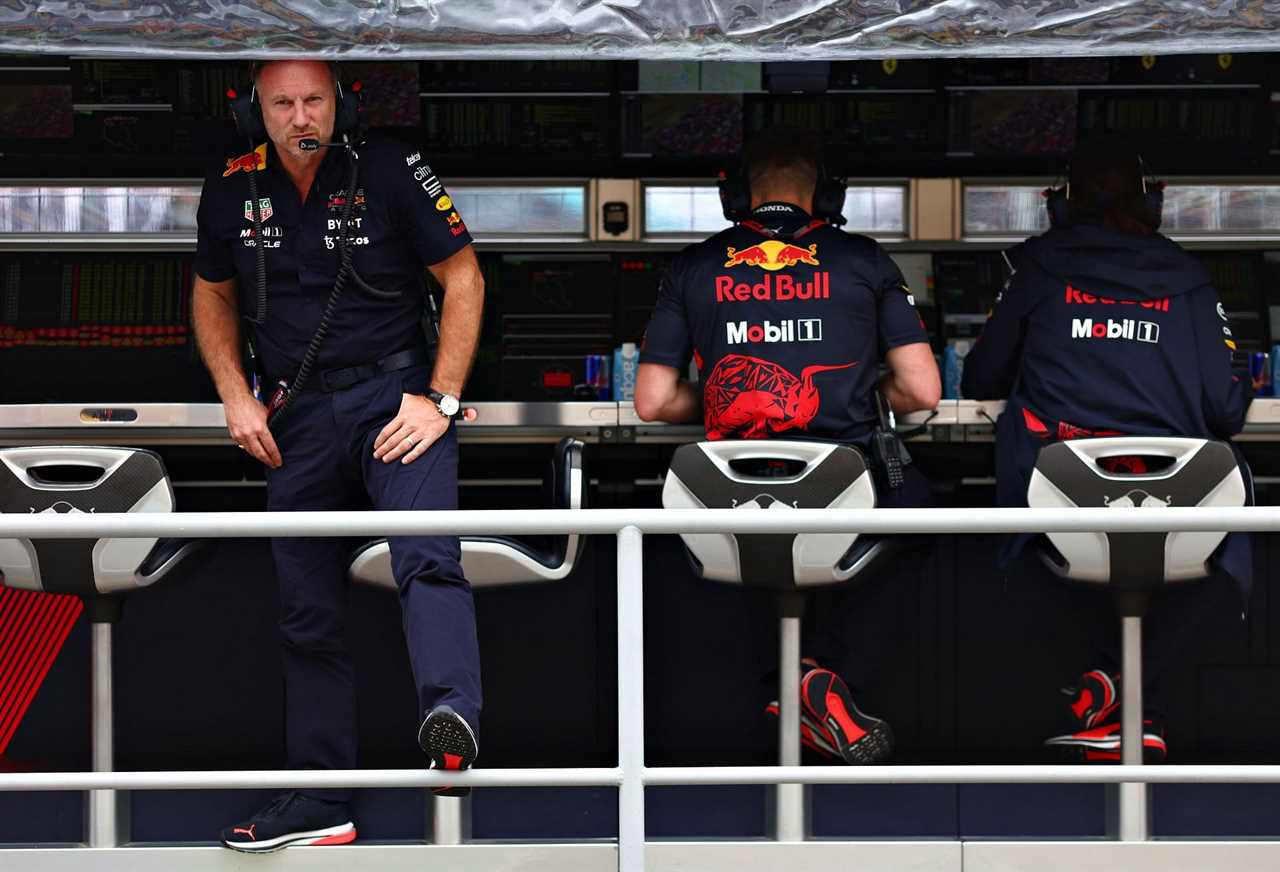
1077,297
774,287
752,398
254,160
453,218
772,255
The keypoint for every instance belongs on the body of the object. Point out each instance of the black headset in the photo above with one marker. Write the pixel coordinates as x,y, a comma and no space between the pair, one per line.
828,195
246,108
1057,201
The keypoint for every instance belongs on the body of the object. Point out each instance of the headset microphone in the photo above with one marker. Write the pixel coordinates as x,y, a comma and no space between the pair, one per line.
313,144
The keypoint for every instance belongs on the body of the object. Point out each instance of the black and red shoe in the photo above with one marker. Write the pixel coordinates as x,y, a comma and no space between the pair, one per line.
1094,699
812,734
856,737
448,740
1101,744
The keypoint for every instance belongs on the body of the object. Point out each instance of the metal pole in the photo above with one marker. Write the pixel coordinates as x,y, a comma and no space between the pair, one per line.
1133,796
631,699
220,525
447,814
102,803
789,807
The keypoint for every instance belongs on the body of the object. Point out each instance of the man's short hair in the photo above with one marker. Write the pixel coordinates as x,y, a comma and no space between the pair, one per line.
255,69
783,155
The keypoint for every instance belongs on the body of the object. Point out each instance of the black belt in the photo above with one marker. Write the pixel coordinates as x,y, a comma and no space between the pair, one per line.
349,376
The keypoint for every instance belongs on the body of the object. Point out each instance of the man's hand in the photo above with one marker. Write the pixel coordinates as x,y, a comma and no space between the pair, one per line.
411,432
247,423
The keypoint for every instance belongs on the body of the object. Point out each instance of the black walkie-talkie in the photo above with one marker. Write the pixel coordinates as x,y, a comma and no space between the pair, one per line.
886,448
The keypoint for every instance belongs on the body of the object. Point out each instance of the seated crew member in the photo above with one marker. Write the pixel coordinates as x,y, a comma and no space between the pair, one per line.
373,424
714,304
1101,263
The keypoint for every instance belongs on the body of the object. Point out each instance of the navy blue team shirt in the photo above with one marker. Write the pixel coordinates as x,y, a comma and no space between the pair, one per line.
1100,332
787,319
403,221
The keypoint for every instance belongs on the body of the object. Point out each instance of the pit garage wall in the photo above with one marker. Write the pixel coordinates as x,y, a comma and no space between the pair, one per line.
977,659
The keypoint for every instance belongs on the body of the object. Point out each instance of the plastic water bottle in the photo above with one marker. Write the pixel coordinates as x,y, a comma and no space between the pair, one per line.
953,368
625,363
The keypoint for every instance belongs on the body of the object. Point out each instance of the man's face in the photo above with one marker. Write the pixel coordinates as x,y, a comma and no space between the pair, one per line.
298,103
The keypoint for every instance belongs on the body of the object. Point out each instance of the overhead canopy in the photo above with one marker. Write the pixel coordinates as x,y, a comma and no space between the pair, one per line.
748,30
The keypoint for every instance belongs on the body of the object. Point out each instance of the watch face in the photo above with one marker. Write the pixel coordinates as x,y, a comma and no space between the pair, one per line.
449,405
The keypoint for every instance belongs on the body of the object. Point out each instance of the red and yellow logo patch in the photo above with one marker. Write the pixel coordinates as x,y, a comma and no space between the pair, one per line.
254,160
772,255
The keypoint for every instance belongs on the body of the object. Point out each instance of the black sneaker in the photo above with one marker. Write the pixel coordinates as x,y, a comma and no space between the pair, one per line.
447,738
292,819
856,736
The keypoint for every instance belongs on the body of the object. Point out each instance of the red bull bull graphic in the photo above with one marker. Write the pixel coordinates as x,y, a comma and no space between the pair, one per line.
751,398
772,255
254,160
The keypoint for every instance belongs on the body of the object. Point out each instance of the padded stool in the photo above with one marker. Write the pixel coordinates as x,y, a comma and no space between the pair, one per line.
497,561
776,476
70,479
1133,566
502,561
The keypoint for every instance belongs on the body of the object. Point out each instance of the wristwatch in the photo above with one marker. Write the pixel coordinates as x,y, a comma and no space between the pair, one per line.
446,403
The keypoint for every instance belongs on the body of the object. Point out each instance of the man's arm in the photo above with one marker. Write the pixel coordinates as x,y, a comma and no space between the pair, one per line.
460,317
661,395
419,423
216,313
1226,388
912,382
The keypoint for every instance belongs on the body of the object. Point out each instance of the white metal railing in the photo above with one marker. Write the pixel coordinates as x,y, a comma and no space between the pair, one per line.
629,525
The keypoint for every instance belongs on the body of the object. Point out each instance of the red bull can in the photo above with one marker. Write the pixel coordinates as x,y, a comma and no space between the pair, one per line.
598,376
1260,373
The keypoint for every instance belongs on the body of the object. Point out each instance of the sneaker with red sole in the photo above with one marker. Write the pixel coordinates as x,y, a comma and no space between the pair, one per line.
812,734
291,819
447,739
857,737
1094,699
1101,744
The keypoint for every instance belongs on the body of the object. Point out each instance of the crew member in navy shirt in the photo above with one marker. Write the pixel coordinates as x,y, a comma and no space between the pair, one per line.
792,325
1107,328
372,425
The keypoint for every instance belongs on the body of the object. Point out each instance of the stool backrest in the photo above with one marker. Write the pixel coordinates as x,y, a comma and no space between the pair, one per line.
1200,473
69,479
812,475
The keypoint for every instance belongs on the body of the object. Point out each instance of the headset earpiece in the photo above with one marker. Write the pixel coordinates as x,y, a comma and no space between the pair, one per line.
1055,203
346,117
1152,196
247,113
735,195
1153,200
828,197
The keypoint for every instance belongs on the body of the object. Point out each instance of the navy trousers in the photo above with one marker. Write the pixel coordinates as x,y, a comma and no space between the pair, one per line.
326,442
